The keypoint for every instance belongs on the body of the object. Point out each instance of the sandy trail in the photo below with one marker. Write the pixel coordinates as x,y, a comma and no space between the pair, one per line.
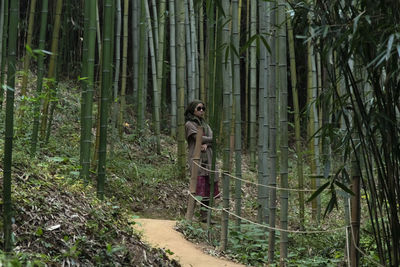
161,233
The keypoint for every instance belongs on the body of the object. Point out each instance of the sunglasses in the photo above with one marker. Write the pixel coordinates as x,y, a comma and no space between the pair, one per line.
201,108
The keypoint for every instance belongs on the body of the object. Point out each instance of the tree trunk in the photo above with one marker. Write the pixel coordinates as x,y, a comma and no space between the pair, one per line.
172,66
299,154
253,85
9,125
88,96
156,100
27,57
180,83
124,69
115,99
272,135
50,88
105,93
40,74
282,55
4,50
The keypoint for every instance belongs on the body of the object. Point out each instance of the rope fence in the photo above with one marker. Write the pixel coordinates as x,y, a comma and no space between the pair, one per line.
264,225
254,183
343,228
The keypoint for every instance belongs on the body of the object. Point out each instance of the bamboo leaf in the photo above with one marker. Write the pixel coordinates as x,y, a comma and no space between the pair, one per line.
219,7
356,20
332,203
226,55
316,193
344,187
234,50
389,46
41,52
9,88
248,43
29,50
265,43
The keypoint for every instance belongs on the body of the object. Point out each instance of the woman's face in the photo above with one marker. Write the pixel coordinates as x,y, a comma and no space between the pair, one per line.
199,110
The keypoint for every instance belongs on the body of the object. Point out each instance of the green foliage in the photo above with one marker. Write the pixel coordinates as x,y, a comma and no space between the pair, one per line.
197,232
316,249
19,260
250,245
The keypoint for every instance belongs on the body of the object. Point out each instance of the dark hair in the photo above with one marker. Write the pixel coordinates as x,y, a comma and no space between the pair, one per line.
189,112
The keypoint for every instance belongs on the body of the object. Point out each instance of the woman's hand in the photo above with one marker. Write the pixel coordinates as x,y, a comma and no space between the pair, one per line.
203,147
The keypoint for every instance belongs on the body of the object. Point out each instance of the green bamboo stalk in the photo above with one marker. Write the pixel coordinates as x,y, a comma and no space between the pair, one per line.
105,92
115,100
155,27
98,31
202,54
156,100
266,78
317,76
160,51
211,52
26,63
180,83
253,85
193,47
262,117
4,51
88,96
27,57
299,161
135,44
310,127
86,11
191,95
2,15
247,81
141,78
282,54
172,52
272,134
52,69
124,67
226,82
9,125
238,116
40,74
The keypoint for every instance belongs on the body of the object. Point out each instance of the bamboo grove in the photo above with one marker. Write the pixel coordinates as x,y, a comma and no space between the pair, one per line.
315,82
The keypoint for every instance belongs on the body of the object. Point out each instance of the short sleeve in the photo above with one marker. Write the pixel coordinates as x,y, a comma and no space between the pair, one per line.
190,128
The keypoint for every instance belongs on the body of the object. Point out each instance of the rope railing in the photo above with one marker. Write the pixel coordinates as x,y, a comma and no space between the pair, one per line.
264,225
254,183
275,228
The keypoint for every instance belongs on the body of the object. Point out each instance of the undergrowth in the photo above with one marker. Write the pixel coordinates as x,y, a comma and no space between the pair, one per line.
57,218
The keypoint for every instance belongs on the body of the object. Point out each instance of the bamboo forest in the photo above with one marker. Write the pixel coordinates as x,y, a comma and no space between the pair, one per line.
296,103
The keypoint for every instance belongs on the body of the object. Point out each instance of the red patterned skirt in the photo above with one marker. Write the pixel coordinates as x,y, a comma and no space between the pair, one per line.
203,187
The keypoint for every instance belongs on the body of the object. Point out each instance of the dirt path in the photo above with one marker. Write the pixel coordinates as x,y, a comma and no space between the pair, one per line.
161,233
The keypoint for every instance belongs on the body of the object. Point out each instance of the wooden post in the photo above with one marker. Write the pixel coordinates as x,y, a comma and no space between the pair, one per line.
194,173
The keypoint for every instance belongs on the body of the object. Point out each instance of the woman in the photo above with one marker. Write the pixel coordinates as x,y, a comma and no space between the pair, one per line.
194,117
